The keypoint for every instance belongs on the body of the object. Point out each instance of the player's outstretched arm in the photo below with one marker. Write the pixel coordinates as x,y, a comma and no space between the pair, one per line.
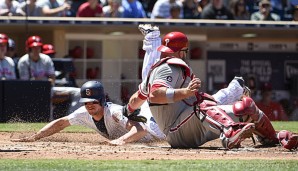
50,129
136,132
135,102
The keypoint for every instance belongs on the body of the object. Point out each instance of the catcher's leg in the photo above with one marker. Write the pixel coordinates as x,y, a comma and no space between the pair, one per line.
232,133
264,130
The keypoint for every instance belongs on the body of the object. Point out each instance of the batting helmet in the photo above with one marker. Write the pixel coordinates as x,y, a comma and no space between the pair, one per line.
173,42
92,91
33,41
3,38
48,49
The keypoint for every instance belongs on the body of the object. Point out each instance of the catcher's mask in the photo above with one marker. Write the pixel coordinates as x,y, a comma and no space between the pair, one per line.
93,91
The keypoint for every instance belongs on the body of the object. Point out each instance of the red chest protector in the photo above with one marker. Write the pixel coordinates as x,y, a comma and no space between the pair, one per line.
172,61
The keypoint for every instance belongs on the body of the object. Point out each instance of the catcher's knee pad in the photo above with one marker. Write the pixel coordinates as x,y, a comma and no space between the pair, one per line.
246,107
263,127
287,139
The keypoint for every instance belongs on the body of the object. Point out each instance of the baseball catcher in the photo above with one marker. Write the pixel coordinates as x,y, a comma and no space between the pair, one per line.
171,89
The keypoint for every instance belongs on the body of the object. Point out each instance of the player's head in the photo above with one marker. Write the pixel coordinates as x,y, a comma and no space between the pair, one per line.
3,43
93,91
48,49
34,42
174,42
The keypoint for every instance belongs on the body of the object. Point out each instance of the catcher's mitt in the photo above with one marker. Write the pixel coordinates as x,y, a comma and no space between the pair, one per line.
134,116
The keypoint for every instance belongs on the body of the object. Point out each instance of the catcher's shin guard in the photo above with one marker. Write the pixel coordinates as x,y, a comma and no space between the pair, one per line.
288,140
232,133
263,127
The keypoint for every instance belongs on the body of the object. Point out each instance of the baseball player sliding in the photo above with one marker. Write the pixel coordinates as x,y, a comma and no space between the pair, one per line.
104,117
110,120
186,129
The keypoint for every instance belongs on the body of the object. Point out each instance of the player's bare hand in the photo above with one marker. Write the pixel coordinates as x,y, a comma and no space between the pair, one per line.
117,142
194,85
26,139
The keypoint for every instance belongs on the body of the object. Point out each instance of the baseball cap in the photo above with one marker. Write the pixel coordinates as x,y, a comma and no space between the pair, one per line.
3,38
48,49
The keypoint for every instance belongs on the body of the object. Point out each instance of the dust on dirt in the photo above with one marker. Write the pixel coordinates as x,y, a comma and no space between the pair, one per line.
94,147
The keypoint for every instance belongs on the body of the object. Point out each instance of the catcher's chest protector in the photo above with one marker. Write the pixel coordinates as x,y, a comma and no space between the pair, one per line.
173,61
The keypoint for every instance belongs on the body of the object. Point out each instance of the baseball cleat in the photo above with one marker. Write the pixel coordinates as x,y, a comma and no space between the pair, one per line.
246,90
147,28
232,138
240,80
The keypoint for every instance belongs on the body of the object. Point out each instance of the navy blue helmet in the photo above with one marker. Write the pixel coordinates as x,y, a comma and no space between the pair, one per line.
93,91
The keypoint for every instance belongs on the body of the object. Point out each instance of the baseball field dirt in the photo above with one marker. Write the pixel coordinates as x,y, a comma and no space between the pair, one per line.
94,147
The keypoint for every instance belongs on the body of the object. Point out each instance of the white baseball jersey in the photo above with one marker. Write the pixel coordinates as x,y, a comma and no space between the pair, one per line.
43,68
7,68
112,126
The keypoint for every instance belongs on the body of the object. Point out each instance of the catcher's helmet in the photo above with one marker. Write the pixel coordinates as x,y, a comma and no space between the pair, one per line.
173,42
33,41
48,49
3,38
93,91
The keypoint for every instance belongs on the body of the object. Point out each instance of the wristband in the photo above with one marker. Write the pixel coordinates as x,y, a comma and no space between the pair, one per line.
130,110
170,95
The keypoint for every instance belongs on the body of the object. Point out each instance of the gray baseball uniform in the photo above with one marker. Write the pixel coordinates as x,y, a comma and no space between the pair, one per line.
224,96
42,69
7,68
150,44
178,120
29,69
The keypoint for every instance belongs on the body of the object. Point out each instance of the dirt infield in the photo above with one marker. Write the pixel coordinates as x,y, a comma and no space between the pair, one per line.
92,146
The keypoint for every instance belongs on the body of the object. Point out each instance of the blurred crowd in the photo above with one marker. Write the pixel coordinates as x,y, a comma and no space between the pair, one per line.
270,10
268,99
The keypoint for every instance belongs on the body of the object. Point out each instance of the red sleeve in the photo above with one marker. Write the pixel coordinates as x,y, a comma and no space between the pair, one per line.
156,86
141,95
81,10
